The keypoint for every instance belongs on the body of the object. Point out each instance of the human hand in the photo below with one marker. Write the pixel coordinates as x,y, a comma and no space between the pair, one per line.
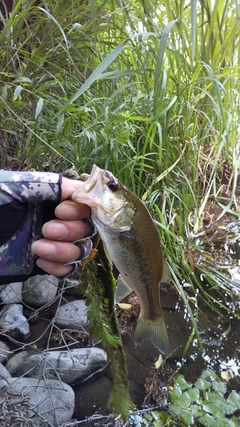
55,248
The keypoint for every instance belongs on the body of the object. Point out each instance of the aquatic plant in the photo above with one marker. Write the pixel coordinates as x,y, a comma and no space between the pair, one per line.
204,403
104,326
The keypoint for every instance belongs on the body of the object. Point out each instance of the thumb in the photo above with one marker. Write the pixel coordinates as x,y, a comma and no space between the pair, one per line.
69,186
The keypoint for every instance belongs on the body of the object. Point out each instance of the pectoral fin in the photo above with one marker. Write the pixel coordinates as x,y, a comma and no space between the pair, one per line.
122,289
107,253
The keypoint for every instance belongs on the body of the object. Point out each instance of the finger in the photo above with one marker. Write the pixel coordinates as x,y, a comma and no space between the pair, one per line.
69,186
66,230
54,268
70,210
56,251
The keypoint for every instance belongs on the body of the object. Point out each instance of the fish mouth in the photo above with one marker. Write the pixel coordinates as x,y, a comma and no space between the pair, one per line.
95,194
92,179
83,194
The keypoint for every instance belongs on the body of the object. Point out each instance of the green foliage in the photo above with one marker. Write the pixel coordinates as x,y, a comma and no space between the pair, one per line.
149,90
96,300
151,419
104,325
205,403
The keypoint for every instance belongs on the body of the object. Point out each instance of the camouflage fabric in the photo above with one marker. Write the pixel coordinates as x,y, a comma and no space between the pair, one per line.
23,192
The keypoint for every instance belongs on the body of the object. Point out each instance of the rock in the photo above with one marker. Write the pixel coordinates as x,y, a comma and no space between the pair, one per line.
70,366
13,322
72,315
5,352
11,293
39,290
17,359
4,374
41,403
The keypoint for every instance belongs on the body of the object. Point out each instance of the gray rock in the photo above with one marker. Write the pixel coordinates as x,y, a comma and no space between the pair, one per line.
5,352
4,374
72,315
17,359
48,402
11,293
13,322
70,366
40,290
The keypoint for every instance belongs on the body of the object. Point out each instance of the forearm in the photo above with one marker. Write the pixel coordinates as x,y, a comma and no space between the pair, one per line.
27,201
30,187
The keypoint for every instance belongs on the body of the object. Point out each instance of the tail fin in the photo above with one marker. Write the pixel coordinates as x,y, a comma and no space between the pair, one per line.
156,332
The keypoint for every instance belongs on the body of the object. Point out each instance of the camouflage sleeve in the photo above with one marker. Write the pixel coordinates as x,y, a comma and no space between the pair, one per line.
27,200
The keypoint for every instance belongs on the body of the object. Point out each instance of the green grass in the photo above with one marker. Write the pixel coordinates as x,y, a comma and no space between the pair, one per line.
149,90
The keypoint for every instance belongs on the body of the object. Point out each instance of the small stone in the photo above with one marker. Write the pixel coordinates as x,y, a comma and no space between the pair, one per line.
11,293
70,366
13,322
40,290
72,315
42,402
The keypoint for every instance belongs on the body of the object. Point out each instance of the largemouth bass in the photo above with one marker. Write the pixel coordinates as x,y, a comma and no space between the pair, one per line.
131,242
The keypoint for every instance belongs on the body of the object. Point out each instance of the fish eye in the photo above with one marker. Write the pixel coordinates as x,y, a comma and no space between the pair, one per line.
113,185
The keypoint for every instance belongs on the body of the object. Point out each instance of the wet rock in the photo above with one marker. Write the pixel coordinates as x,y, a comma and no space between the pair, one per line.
48,402
70,366
17,359
4,374
5,352
39,290
13,322
72,315
11,293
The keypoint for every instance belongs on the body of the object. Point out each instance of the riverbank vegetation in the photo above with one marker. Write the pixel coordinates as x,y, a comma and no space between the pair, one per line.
150,91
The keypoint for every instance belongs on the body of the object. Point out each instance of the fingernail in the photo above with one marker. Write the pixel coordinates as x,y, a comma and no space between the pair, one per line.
47,249
65,209
56,230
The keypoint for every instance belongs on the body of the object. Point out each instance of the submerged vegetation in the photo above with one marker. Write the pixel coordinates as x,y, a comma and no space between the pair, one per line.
148,90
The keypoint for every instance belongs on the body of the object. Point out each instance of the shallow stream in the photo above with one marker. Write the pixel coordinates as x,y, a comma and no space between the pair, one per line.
219,334
148,386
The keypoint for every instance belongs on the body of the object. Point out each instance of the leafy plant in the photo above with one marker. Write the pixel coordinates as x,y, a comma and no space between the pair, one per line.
205,403
104,325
